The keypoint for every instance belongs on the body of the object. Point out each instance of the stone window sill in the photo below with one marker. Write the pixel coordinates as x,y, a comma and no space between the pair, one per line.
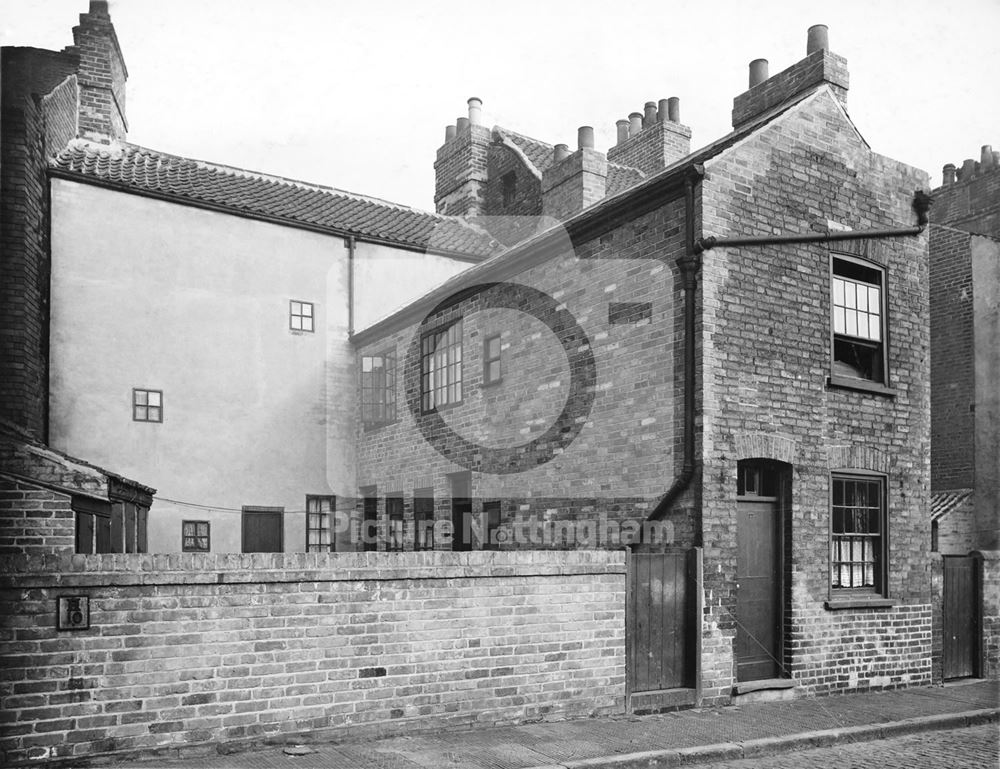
838,604
862,385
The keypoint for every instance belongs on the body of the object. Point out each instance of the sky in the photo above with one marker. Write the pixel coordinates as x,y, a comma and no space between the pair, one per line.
356,95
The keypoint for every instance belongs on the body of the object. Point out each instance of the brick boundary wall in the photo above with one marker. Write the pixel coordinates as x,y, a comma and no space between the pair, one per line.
186,652
991,613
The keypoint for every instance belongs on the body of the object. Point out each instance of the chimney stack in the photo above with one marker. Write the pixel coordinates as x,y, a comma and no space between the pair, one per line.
460,172
767,92
758,72
101,76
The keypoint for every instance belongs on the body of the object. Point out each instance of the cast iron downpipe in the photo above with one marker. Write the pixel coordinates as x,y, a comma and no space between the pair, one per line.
689,265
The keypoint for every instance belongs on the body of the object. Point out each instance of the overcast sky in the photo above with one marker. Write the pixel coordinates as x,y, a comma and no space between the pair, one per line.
356,95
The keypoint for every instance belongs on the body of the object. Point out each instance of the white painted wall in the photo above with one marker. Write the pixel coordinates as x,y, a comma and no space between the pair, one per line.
387,279
151,294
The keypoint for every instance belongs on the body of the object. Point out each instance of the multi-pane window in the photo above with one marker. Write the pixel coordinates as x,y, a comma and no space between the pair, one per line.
857,546
491,360
394,512
858,320
423,519
441,367
147,405
196,536
378,388
319,521
300,316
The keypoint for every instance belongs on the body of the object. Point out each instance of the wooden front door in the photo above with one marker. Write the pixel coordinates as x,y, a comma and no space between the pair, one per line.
960,616
263,529
758,591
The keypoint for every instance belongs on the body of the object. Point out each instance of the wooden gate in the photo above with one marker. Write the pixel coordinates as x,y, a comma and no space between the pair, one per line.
961,616
661,628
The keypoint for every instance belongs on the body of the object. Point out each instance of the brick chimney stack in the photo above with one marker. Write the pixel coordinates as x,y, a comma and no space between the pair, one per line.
460,168
101,76
575,181
819,66
653,139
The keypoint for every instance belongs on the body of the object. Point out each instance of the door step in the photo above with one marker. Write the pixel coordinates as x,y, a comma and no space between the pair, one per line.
765,690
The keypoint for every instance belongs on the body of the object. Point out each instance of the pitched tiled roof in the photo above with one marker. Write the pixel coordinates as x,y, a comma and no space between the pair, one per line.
943,502
143,170
538,152
622,177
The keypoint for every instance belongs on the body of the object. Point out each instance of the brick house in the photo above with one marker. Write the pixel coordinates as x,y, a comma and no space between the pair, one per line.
965,366
548,385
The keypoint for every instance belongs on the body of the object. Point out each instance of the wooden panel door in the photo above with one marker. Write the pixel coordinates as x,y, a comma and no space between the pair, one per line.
263,530
960,617
659,624
758,591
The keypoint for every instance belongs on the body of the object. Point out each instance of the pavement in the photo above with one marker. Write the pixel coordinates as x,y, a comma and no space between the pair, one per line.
698,736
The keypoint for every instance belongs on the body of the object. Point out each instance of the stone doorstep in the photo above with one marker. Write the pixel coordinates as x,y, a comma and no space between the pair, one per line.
658,701
764,690
765,746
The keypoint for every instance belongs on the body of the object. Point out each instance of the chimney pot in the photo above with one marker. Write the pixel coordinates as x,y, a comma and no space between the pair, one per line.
674,109
635,124
758,72
949,174
99,7
475,111
449,133
968,168
649,116
622,130
986,156
560,152
462,125
585,137
817,39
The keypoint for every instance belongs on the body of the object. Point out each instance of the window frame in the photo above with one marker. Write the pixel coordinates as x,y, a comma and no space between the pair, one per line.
423,519
389,400
880,589
508,189
488,360
136,405
429,404
843,380
395,528
319,547
185,548
302,316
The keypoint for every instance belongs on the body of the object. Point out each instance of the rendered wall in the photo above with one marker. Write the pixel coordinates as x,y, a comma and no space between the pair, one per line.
184,651
149,294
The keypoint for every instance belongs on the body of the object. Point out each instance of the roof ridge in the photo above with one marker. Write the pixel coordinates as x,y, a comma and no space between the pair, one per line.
523,136
117,149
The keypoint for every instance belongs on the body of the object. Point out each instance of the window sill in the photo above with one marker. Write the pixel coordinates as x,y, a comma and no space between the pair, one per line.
371,427
862,385
494,383
838,604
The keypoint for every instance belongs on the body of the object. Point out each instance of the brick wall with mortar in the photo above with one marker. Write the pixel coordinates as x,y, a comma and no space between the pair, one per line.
627,452
38,117
187,651
518,218
991,614
34,519
102,75
972,203
952,364
575,183
767,313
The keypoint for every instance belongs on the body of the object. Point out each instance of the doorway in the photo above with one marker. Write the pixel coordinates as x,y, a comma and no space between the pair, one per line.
759,566
263,529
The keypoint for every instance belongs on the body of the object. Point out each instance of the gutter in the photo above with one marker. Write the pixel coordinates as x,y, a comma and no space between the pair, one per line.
689,265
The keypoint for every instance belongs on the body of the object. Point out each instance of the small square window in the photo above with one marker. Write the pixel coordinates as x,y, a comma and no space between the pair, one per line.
147,405
491,360
300,317
197,537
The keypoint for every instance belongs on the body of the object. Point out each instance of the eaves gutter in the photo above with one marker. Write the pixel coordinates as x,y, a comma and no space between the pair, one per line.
72,176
